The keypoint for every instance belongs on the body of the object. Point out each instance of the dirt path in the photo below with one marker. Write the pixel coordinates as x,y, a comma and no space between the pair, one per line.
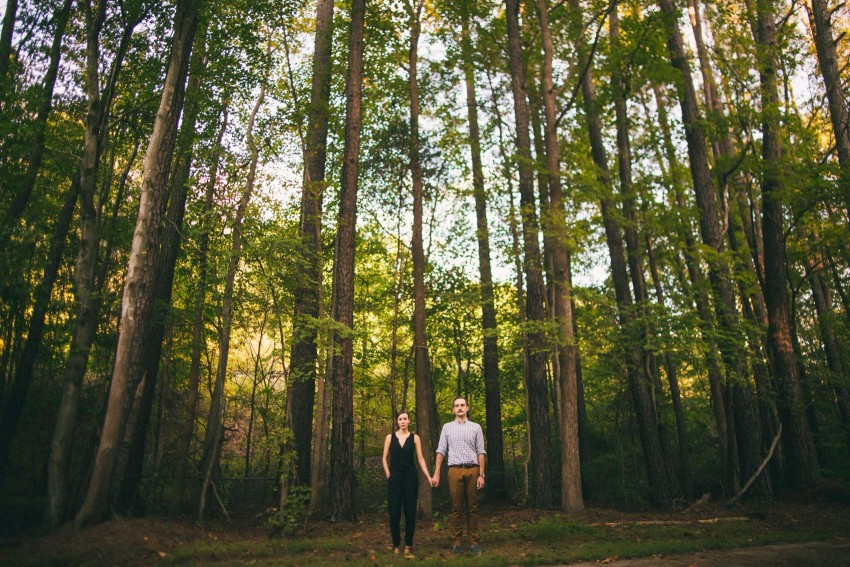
821,554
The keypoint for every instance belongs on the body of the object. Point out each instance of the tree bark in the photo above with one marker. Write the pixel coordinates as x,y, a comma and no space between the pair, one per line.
138,288
492,387
426,411
800,458
342,430
304,353
567,378
164,278
545,495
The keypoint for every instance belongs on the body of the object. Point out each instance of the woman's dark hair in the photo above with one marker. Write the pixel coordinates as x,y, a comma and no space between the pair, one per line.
398,415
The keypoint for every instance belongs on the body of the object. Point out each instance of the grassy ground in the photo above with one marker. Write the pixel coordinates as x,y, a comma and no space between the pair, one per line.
510,537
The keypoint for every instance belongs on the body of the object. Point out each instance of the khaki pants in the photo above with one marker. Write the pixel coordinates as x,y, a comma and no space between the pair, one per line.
462,486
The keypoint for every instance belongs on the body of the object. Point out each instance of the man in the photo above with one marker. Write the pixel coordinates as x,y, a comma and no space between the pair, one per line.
462,443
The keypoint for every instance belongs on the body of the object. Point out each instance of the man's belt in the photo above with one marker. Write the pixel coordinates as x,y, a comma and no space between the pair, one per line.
463,466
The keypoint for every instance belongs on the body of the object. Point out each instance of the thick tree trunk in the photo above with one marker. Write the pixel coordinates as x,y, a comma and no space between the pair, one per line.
75,367
545,495
180,469
137,302
342,430
492,388
799,456
87,284
304,353
164,278
567,378
426,411
24,188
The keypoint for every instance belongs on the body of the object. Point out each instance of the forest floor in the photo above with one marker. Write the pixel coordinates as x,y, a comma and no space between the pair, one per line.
810,529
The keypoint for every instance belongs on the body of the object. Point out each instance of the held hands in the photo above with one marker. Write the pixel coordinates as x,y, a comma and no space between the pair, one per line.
435,480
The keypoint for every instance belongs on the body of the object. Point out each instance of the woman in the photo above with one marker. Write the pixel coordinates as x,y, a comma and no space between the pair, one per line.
403,484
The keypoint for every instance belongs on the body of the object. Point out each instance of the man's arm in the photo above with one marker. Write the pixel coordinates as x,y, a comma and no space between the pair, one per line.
482,457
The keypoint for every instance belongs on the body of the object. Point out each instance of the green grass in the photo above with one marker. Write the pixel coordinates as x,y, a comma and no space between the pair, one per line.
542,542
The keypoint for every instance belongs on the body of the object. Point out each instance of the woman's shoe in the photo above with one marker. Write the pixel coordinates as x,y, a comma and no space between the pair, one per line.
395,551
408,554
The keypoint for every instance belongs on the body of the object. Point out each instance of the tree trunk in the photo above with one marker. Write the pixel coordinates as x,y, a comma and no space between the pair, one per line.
700,294
657,472
138,288
342,430
831,346
303,358
14,403
820,18
188,430
6,49
730,343
426,411
545,495
215,421
799,456
24,188
164,277
492,388
567,378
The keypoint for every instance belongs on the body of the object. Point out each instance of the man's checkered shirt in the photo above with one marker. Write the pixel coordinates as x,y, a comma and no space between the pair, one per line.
463,441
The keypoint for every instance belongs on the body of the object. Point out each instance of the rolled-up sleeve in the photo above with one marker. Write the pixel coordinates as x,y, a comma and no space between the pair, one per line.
443,445
479,442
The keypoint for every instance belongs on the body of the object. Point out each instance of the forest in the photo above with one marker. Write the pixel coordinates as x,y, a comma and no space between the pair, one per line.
239,236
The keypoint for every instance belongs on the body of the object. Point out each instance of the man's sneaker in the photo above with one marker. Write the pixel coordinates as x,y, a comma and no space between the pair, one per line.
475,549
457,550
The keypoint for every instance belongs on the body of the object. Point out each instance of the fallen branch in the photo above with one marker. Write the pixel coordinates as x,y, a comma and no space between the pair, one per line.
758,471
220,503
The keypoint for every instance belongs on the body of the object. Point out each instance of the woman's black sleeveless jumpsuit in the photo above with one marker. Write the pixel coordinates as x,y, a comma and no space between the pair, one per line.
403,488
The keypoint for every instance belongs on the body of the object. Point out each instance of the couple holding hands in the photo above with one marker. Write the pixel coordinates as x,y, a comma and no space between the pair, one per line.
462,447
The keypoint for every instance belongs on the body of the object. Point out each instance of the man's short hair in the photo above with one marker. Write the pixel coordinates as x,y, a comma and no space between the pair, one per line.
459,398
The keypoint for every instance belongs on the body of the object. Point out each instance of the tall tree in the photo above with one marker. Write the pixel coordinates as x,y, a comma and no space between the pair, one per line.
172,231
635,337
567,378
342,429
137,301
739,398
492,393
426,411
215,421
304,352
188,426
800,457
545,495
